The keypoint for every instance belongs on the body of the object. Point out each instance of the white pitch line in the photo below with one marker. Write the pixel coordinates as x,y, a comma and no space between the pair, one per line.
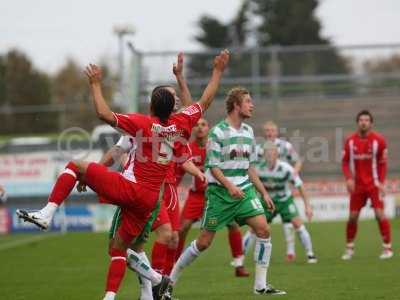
25,241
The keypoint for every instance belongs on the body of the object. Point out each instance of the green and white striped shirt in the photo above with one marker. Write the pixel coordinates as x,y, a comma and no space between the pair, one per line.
285,149
277,181
231,150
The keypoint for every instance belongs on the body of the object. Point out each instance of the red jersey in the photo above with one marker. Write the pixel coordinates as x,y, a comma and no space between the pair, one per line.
365,159
183,154
157,142
198,158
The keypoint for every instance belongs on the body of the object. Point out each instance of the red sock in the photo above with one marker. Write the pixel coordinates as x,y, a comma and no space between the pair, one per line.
169,261
235,241
64,184
180,248
158,256
384,227
116,270
351,231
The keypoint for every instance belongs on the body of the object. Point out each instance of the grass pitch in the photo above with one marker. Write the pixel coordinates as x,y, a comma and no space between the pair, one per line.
74,266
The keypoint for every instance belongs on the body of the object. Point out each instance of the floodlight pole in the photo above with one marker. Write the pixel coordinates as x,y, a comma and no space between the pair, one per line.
122,31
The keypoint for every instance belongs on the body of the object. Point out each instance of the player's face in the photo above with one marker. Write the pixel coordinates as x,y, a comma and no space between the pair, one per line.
246,107
364,123
177,100
271,155
270,132
201,129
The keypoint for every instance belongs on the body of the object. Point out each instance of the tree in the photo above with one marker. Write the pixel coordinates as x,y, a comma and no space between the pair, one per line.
70,87
23,85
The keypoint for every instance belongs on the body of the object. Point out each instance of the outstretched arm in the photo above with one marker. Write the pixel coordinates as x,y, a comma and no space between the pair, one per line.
184,92
103,111
220,63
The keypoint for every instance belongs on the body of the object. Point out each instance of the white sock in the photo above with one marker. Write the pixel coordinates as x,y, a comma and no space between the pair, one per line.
109,296
187,257
142,267
238,261
49,210
249,239
288,231
262,256
146,292
305,239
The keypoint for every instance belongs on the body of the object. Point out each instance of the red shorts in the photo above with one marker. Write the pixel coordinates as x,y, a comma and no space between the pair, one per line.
169,209
359,198
135,200
194,206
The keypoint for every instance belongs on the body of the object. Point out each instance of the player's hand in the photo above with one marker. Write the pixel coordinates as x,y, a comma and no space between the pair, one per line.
221,60
202,177
350,185
382,190
177,68
81,187
93,73
309,212
269,202
235,192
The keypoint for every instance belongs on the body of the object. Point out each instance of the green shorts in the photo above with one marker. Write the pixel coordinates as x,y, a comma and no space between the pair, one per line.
221,209
286,209
144,235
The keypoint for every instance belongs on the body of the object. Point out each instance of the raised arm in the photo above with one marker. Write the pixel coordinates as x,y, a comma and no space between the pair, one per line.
103,111
184,92
220,63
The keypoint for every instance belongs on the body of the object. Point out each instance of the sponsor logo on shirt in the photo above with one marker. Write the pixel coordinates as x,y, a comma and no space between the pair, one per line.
362,156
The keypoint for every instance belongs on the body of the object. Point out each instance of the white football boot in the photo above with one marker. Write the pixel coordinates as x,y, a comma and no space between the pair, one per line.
36,218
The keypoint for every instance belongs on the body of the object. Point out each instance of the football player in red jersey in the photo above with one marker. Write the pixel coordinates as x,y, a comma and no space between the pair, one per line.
158,137
364,166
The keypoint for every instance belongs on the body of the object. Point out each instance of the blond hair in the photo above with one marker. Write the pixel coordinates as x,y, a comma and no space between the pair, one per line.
235,95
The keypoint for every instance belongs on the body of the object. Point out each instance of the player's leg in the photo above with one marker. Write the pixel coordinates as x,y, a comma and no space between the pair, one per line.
117,266
65,183
289,213
357,202
186,224
173,213
249,238
190,254
163,230
305,239
235,243
383,223
262,255
192,211
252,213
288,232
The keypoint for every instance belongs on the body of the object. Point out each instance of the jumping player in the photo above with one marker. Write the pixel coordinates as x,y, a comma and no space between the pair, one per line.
157,135
231,192
364,166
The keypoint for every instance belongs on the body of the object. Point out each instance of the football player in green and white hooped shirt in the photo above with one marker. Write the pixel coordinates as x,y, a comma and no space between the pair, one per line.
231,192
286,153
277,176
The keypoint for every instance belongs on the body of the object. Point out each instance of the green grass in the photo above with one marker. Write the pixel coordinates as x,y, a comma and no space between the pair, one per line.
74,266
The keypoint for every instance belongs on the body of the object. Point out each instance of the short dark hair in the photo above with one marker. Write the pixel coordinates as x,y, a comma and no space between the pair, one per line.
162,102
235,95
365,112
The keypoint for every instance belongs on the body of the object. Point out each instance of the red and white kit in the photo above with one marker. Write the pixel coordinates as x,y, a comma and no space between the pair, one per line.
365,160
156,144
